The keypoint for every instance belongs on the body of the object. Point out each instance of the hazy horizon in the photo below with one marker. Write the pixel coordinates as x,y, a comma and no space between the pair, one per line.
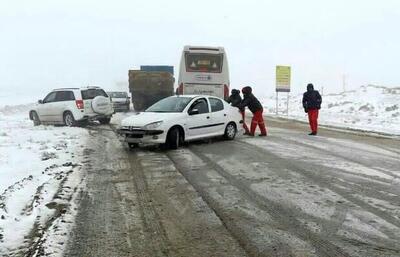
47,44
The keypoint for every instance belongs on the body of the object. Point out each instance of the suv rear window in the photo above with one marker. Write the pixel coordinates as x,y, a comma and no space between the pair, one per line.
92,93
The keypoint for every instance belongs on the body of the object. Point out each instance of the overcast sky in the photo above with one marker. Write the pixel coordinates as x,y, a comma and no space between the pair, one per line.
47,43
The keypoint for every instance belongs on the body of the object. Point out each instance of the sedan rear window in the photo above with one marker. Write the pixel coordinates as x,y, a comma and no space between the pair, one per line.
92,93
216,105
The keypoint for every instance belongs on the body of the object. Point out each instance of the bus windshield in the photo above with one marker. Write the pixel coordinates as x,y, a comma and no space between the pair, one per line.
197,62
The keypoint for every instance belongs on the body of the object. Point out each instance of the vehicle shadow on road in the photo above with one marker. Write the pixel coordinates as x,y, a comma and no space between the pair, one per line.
165,149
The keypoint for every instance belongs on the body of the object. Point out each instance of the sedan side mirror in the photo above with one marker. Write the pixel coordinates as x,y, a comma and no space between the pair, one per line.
194,112
40,101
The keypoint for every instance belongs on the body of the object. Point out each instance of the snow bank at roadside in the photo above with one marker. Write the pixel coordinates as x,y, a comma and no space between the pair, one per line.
39,178
370,108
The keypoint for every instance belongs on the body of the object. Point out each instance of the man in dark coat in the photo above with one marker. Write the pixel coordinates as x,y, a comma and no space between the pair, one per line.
256,108
235,100
312,103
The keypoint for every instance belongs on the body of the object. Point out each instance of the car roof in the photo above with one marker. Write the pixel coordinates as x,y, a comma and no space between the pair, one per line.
66,88
194,96
76,88
91,87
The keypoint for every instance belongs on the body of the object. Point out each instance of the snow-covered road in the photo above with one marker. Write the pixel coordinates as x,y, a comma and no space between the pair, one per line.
78,192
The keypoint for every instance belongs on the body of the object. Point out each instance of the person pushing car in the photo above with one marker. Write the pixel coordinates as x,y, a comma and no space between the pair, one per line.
235,99
256,108
312,103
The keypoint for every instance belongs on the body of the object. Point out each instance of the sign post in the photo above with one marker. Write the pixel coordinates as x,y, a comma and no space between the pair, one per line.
283,76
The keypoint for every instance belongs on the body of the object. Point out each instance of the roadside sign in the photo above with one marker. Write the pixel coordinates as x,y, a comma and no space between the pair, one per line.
283,78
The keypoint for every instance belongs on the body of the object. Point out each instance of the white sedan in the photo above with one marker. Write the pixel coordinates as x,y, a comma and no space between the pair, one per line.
177,119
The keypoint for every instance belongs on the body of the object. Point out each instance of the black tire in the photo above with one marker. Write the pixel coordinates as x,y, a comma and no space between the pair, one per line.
133,145
230,131
174,138
69,119
105,120
35,119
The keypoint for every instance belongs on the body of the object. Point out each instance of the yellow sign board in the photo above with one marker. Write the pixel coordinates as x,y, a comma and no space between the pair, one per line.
283,75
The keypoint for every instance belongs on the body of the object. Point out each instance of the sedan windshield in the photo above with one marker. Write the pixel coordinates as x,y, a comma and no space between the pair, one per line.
170,104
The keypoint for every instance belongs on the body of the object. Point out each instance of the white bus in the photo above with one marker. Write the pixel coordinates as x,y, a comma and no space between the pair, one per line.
204,71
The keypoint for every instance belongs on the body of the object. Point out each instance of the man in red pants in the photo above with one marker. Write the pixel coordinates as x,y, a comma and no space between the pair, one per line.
256,108
312,103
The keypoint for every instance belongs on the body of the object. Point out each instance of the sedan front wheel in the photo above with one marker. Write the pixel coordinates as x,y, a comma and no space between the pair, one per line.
174,138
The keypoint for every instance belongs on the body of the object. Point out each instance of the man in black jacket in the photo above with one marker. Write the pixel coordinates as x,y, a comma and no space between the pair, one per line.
256,108
235,100
312,103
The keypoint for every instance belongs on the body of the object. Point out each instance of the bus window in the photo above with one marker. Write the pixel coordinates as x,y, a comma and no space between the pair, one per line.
204,62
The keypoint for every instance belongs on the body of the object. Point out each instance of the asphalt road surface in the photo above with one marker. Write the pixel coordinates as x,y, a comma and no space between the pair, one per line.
288,194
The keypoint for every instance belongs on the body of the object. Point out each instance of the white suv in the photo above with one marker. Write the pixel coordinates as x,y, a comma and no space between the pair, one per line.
73,106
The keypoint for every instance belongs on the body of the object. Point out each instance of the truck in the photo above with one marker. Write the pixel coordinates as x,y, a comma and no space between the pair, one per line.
165,68
149,86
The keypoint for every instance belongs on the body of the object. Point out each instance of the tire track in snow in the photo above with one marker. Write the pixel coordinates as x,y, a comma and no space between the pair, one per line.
313,172
283,216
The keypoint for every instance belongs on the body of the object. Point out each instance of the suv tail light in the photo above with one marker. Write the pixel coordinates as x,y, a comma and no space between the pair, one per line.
79,104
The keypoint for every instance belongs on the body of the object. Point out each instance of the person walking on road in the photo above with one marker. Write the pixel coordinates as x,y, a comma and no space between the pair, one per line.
312,103
235,99
256,108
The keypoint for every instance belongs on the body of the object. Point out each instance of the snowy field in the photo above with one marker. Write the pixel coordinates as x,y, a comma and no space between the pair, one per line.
40,175
369,108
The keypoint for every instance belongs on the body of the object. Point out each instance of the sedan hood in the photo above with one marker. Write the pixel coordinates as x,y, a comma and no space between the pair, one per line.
143,118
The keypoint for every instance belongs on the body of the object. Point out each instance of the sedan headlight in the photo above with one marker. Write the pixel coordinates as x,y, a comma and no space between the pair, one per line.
153,125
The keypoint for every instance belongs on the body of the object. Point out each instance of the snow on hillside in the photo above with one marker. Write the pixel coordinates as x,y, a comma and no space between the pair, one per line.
370,108
12,99
40,174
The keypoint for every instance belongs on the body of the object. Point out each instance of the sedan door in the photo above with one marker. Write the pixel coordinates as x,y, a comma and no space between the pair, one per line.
219,116
199,120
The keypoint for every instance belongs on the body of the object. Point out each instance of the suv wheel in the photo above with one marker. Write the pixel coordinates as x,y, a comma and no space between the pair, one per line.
230,131
35,118
69,119
105,120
